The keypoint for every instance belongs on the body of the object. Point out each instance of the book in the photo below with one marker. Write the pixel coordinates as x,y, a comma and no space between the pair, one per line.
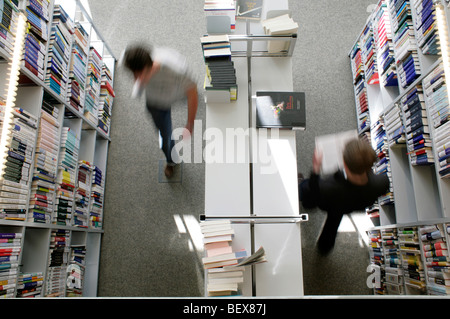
331,146
249,9
278,109
281,25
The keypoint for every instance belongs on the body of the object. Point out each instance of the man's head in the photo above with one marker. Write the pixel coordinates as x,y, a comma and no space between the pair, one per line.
137,59
359,156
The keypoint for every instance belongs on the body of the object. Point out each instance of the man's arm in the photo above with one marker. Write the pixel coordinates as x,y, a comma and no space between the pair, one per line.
192,101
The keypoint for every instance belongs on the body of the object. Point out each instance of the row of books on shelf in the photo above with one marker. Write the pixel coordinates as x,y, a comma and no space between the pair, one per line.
58,53
223,265
63,277
9,12
412,260
46,182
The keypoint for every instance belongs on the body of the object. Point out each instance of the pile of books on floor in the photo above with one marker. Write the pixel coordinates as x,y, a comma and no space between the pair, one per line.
220,80
224,266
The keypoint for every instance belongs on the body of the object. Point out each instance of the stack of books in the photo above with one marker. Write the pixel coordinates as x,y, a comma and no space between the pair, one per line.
356,64
221,280
58,258
383,167
66,177
96,202
45,166
437,261
61,38
15,182
377,259
392,262
417,130
82,195
369,55
8,14
406,55
77,71
221,8
106,100
75,271
385,47
220,80
426,35
413,268
36,36
10,248
394,126
435,89
29,285
281,25
93,86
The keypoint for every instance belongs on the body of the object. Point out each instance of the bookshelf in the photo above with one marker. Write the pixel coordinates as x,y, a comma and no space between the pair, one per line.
402,109
52,199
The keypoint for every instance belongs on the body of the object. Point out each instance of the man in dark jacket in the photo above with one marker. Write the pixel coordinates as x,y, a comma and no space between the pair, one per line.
352,189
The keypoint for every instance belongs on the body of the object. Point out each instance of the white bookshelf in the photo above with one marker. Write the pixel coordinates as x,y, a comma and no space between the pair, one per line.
94,144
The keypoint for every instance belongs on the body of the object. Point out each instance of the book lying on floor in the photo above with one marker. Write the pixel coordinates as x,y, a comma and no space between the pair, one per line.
279,109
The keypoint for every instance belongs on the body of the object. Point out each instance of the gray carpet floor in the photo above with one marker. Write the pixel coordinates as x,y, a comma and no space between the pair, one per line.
144,253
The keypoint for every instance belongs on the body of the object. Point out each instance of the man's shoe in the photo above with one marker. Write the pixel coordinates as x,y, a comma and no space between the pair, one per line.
168,171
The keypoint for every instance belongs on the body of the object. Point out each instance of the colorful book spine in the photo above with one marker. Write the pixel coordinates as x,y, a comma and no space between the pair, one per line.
42,194
66,177
97,196
9,16
61,38
10,249
106,100
392,262
93,86
368,54
82,195
394,126
375,245
418,138
58,259
75,271
413,268
437,261
15,180
29,285
425,24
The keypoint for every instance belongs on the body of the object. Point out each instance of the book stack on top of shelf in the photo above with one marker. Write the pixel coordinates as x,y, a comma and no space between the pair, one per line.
413,270
15,179
57,263
10,248
377,259
220,80
383,165
61,38
45,166
384,46
82,195
93,86
36,36
8,12
406,55
392,262
426,35
369,55
96,202
394,126
221,8
66,177
29,285
281,25
222,279
417,130
77,71
435,251
75,271
106,100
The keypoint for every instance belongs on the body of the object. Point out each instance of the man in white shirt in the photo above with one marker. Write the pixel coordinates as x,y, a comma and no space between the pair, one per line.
165,77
